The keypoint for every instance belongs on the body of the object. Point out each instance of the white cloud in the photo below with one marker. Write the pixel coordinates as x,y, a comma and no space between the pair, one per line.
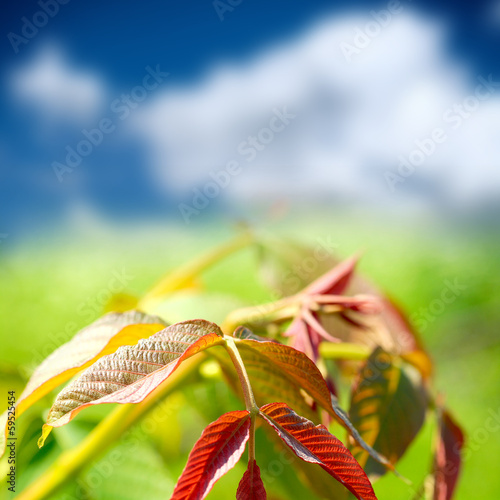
353,118
49,84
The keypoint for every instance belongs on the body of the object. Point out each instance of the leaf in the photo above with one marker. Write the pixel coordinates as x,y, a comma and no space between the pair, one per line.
98,339
448,460
388,408
420,360
271,383
133,372
216,452
389,329
268,381
344,419
316,479
102,337
315,444
281,372
306,328
335,281
302,373
251,486
295,364
306,334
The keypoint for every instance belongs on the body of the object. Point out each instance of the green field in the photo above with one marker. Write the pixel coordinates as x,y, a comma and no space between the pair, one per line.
59,283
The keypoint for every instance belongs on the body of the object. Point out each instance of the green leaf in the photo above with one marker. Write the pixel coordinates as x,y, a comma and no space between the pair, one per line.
388,408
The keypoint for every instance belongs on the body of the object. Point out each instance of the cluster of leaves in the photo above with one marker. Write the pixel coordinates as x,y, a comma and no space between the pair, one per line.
283,359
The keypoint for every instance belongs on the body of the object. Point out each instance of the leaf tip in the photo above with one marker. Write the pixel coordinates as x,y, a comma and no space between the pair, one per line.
46,430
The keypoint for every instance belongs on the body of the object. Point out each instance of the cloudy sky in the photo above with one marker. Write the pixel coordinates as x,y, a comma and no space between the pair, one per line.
136,110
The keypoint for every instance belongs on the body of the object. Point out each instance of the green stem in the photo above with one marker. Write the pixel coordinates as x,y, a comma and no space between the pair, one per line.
231,348
343,350
71,462
250,403
251,439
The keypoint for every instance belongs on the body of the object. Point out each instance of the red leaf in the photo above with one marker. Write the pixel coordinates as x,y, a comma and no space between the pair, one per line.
306,328
251,486
447,463
315,444
216,452
305,338
335,281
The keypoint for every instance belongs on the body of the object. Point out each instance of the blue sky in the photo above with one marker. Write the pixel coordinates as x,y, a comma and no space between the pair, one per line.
111,43
120,37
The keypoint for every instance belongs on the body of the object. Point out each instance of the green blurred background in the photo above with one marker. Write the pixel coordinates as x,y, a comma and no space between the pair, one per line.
59,283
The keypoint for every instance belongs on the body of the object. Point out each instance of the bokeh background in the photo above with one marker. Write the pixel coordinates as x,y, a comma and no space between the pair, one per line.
135,135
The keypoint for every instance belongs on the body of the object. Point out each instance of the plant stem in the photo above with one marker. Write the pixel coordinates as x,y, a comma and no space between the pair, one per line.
280,310
250,403
251,439
182,276
71,462
343,350
231,348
